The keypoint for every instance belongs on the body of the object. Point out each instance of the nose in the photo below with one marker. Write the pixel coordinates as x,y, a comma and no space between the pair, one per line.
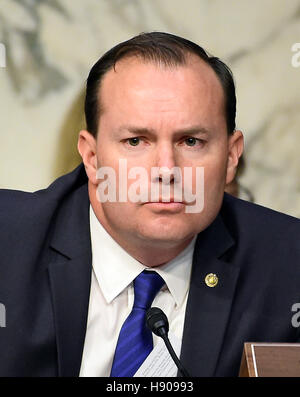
165,156
165,161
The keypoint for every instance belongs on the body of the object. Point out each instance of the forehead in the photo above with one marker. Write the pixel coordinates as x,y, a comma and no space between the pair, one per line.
154,87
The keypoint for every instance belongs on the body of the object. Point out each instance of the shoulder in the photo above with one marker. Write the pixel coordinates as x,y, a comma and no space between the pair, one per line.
18,208
241,210
266,249
264,227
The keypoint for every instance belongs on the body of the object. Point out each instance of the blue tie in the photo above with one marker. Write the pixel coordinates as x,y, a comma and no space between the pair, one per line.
135,339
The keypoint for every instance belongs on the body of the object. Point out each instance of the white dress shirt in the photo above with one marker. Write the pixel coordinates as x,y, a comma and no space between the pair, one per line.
112,296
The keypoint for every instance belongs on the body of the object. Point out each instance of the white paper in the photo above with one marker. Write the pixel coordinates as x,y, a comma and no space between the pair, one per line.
159,362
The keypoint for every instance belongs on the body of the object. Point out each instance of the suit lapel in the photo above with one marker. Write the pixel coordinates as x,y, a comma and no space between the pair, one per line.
208,308
70,277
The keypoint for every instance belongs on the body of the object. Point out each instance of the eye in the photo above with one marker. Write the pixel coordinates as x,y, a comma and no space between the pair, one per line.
190,141
134,141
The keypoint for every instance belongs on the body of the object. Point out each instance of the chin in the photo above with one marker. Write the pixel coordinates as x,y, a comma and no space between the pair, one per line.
166,233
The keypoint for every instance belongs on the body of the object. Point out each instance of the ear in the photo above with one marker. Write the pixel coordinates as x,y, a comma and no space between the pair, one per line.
87,148
235,150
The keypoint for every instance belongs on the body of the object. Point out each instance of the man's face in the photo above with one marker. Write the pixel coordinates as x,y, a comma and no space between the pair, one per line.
156,116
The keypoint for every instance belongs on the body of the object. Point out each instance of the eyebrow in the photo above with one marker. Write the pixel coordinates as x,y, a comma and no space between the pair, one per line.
193,130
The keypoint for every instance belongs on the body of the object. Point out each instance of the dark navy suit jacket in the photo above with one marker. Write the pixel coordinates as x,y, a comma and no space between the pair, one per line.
45,274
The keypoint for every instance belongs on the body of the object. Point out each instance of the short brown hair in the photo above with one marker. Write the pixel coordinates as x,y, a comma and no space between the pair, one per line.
160,47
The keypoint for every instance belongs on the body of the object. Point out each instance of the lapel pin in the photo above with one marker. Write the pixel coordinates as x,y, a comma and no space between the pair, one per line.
211,280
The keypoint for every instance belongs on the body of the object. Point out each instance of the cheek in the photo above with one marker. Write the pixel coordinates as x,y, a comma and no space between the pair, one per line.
107,159
120,215
215,177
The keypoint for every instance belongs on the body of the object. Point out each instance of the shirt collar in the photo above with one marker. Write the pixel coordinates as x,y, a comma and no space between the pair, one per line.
112,262
177,273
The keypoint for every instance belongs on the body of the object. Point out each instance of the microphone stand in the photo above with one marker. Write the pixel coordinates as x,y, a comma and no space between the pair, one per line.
157,322
174,356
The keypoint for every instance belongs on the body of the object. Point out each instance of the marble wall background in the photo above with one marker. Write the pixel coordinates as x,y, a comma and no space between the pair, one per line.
51,45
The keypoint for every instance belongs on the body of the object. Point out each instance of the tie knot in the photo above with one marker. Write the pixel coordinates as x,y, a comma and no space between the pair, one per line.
146,286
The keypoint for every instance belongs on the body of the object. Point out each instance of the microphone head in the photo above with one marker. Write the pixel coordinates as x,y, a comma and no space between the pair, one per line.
157,321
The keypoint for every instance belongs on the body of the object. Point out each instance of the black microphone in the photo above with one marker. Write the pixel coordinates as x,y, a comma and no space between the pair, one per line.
158,323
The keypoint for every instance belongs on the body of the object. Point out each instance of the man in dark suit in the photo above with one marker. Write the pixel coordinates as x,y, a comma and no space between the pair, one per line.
69,257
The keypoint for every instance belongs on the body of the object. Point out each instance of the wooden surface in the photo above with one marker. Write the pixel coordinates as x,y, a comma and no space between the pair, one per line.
270,360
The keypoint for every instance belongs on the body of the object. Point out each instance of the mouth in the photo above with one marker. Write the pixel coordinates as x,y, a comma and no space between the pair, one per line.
170,206
166,201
